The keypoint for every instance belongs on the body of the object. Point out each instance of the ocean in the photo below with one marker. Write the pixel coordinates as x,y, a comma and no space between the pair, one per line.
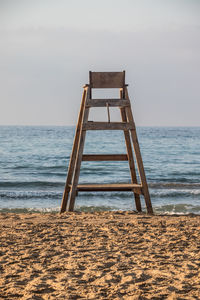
34,162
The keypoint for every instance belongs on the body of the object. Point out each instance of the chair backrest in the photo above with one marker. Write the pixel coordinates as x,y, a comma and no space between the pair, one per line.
103,80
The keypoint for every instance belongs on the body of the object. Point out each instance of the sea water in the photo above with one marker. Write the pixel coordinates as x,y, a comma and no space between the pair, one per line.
34,162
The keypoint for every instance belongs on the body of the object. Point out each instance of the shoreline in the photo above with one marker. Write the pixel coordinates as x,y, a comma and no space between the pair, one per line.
99,255
94,210
57,212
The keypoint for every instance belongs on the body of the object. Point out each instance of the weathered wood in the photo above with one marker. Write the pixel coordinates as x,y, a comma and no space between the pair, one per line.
73,154
108,111
130,156
107,126
107,79
139,158
110,187
79,154
110,102
104,157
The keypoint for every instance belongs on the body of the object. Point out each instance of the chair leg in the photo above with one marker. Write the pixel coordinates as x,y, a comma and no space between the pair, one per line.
79,155
139,159
73,156
131,160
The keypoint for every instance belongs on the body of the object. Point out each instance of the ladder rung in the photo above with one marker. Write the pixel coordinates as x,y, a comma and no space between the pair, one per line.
137,188
104,157
110,102
107,126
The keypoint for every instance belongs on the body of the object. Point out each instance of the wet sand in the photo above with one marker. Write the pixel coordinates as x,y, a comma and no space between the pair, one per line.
107,255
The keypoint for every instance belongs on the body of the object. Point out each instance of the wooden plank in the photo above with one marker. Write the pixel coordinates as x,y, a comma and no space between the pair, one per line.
104,157
139,158
107,126
79,155
73,154
110,102
107,79
110,187
130,155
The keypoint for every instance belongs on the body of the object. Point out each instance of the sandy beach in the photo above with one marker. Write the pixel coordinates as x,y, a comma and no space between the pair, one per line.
106,255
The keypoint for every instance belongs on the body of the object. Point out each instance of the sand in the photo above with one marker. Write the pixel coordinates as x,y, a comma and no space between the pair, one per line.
107,255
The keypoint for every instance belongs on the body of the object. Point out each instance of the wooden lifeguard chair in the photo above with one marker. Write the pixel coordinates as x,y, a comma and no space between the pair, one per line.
98,80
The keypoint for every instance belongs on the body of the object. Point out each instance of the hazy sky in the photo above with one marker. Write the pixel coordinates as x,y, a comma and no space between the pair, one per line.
47,48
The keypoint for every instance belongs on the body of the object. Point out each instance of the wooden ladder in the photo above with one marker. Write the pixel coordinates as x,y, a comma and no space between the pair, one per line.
106,80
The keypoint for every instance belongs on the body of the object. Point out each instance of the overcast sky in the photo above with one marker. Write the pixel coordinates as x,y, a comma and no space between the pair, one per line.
47,48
